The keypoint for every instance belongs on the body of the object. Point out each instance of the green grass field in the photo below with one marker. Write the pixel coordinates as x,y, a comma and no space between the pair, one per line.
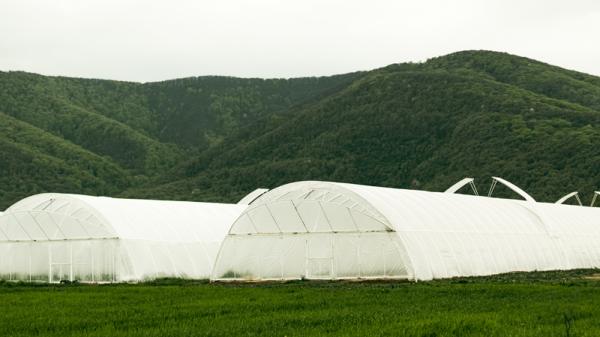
520,304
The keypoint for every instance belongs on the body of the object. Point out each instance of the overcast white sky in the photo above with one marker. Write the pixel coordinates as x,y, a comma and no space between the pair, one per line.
157,40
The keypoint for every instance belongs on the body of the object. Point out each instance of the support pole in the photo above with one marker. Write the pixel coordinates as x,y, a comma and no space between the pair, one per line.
49,263
71,264
474,188
306,255
578,200
570,195
494,182
29,262
92,253
596,194
332,265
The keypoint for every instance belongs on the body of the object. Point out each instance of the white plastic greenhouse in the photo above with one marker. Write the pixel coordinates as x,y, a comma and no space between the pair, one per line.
54,237
325,230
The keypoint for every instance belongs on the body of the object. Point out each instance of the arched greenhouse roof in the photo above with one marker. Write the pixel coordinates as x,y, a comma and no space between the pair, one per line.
52,237
55,216
441,234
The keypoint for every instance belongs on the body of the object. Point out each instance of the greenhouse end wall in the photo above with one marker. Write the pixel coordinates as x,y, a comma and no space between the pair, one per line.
311,230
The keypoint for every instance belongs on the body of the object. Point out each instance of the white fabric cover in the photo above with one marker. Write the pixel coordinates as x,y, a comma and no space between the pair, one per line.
434,235
52,237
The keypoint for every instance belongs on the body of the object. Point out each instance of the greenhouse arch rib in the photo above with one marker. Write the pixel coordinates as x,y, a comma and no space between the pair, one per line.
568,196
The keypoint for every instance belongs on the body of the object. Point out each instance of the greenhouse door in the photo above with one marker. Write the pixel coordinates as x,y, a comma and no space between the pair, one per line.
60,258
319,257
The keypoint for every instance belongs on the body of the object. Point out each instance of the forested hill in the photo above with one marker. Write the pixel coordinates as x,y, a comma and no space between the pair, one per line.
418,125
101,137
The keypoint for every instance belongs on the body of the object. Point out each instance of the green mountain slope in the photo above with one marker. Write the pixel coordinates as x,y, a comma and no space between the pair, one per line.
202,111
425,125
418,126
34,161
189,112
51,104
142,129
528,74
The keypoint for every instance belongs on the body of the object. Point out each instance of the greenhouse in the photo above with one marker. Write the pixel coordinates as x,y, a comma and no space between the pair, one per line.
326,230
58,237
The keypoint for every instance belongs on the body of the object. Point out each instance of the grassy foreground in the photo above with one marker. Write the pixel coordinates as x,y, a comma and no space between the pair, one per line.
521,304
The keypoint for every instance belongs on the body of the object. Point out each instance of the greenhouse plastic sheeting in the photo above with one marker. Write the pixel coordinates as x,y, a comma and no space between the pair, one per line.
54,237
323,230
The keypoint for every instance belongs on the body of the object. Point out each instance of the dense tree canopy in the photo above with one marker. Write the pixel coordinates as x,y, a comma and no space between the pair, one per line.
422,125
